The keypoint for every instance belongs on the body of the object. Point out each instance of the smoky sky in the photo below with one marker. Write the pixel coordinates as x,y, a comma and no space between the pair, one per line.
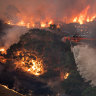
55,9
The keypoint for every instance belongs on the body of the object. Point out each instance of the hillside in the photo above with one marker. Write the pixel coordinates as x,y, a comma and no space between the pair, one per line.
4,91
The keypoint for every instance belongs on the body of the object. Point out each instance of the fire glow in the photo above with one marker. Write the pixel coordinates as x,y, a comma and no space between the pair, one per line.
3,51
2,59
64,76
83,16
29,22
25,62
30,65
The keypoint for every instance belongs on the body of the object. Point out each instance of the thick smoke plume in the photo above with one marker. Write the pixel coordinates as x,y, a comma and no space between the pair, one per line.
85,53
85,57
40,9
11,36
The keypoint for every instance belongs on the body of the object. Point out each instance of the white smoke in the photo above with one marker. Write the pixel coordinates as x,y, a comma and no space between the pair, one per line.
85,57
12,35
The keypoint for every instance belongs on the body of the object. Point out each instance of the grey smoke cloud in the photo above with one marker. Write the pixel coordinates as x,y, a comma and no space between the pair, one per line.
85,54
85,58
12,35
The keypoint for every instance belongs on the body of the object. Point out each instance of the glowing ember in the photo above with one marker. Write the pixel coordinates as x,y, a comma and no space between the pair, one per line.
3,51
43,25
50,22
21,23
9,22
58,26
36,68
5,86
30,65
66,75
2,59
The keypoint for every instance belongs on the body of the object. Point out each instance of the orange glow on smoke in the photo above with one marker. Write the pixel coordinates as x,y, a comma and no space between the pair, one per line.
29,65
43,25
29,22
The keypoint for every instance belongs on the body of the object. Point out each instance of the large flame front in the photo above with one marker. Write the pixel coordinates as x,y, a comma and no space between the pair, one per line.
83,16
29,22
25,61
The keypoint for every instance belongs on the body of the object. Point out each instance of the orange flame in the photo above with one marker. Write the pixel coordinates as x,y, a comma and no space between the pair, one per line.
83,17
43,25
64,76
29,65
2,59
3,51
29,22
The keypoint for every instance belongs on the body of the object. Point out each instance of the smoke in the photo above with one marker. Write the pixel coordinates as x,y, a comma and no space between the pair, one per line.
39,10
85,57
11,36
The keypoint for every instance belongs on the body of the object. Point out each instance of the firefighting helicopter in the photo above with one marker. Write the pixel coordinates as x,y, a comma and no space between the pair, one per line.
76,38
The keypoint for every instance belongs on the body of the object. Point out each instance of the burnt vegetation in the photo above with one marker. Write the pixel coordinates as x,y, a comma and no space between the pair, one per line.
57,57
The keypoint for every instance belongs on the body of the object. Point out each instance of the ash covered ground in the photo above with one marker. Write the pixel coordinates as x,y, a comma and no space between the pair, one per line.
58,59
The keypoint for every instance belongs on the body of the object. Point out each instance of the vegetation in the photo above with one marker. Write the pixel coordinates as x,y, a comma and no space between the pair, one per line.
57,54
4,91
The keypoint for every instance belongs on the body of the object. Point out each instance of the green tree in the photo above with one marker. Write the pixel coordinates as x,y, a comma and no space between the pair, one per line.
91,91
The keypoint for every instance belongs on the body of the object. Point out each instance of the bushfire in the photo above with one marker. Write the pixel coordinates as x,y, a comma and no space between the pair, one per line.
2,51
29,22
29,62
25,60
2,59
64,76
83,16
